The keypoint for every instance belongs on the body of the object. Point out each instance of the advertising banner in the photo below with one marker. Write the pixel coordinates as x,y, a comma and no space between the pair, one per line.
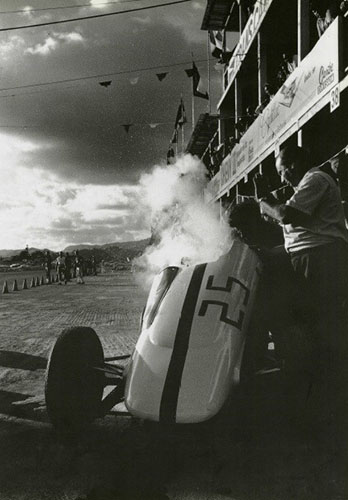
247,37
316,75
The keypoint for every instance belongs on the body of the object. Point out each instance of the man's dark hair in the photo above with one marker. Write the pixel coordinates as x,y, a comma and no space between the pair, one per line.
295,154
252,227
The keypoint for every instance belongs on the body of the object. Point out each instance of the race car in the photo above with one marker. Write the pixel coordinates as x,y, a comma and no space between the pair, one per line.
188,356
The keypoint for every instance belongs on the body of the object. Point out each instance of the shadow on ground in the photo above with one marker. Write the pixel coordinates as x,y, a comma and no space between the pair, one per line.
23,361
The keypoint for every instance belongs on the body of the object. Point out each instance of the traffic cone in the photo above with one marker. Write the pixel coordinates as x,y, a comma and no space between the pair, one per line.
37,283
15,286
5,288
25,286
42,281
32,283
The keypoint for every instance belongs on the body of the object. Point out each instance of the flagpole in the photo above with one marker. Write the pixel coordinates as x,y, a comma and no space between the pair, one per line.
182,138
193,98
208,65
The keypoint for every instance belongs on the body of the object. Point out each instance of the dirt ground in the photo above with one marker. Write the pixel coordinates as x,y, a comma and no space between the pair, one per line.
264,446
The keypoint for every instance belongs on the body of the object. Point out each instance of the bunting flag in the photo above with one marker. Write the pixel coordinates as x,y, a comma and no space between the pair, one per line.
180,115
134,81
105,84
127,126
196,82
161,76
217,47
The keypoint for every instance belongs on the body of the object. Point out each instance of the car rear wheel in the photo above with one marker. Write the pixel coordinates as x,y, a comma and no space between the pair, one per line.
74,389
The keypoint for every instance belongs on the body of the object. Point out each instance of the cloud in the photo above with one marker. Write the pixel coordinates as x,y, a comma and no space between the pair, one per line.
12,44
53,41
39,209
99,4
142,20
44,48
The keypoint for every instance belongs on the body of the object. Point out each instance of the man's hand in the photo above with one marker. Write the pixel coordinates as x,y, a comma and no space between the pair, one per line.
262,186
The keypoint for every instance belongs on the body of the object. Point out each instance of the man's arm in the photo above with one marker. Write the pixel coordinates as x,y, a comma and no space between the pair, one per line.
284,214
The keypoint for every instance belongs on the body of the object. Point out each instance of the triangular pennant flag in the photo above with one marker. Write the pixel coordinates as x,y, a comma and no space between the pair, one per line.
161,76
189,72
105,84
153,125
134,81
180,115
127,126
196,83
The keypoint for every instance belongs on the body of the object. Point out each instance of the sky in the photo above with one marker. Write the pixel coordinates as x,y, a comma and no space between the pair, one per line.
69,172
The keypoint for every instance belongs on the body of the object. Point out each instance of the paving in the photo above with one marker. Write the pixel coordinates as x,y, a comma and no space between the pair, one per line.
122,457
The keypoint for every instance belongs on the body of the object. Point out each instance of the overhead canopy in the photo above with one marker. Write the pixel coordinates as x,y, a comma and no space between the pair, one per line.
205,128
220,12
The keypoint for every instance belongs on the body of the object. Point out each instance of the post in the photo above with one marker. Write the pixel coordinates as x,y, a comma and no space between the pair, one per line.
182,138
208,65
303,28
261,65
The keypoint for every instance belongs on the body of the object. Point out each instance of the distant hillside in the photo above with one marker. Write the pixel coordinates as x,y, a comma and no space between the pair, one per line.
109,252
10,253
139,245
115,253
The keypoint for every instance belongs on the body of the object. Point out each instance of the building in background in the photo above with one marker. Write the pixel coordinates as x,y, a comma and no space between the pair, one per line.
286,82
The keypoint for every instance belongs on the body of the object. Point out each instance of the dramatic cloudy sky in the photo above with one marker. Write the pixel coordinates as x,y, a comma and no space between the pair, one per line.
69,172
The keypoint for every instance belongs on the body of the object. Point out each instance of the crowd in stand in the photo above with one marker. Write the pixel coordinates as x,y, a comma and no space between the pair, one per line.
69,266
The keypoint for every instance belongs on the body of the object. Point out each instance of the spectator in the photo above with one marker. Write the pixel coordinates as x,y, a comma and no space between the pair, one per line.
78,263
94,265
344,7
67,267
60,268
270,92
323,22
245,121
48,266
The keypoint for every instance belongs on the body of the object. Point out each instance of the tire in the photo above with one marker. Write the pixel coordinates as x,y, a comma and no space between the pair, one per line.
73,390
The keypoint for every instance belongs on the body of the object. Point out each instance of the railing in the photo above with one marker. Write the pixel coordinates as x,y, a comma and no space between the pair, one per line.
306,90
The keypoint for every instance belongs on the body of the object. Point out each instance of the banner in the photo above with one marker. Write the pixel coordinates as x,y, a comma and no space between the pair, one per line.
316,75
247,37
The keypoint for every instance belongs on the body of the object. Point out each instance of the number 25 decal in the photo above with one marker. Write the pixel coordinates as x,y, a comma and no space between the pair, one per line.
224,305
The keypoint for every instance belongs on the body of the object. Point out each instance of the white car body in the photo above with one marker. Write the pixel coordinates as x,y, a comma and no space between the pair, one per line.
188,356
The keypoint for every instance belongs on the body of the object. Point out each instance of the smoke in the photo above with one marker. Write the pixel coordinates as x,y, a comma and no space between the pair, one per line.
185,230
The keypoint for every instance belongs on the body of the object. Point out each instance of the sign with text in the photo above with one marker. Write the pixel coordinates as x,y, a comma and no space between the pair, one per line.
316,76
247,37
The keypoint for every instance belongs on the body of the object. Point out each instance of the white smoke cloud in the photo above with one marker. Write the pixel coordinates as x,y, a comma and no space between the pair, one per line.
185,230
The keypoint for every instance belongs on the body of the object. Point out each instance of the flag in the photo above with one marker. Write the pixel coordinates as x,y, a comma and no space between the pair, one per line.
217,47
153,125
180,115
216,44
196,82
127,126
105,84
161,76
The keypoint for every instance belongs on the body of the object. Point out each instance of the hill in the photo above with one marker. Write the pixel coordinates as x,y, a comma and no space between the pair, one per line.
113,254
